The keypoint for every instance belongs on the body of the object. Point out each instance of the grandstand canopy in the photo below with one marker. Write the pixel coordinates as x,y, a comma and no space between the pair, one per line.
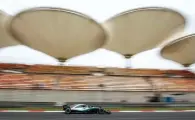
141,29
58,32
181,50
5,38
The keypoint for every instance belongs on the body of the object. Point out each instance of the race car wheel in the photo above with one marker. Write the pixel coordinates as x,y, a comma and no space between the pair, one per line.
68,111
100,111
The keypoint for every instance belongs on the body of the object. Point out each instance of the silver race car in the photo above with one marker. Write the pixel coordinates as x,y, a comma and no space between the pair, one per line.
84,109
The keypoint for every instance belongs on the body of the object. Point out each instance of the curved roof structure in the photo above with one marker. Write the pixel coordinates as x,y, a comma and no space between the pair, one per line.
181,50
5,38
58,32
141,29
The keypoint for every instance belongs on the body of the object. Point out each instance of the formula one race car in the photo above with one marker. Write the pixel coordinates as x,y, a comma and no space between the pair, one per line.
84,109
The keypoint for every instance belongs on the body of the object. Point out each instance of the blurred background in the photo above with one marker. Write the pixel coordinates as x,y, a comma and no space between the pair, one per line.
153,69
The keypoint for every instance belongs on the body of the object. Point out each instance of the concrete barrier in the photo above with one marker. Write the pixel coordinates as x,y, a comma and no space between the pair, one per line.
85,96
13,104
72,96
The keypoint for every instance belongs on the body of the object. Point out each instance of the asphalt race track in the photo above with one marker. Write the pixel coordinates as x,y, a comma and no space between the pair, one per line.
113,116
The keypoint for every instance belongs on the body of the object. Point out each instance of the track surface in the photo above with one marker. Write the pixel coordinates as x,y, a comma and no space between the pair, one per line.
113,116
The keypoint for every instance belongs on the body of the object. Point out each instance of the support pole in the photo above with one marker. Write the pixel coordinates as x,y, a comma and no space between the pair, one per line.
127,57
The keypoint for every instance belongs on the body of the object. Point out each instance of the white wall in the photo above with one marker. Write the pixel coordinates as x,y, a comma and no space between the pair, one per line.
82,96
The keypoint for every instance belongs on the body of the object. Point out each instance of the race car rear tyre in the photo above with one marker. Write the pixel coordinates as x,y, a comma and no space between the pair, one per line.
67,111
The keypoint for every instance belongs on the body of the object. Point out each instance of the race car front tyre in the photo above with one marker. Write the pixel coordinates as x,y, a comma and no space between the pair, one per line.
100,111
